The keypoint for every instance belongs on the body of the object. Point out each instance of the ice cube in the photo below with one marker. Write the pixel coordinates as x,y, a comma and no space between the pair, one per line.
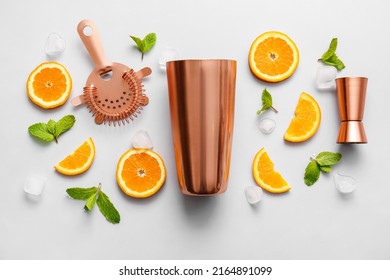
343,183
267,125
34,185
253,194
141,139
55,45
326,76
166,55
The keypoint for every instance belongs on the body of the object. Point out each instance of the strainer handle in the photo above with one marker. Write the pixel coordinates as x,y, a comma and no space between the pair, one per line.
146,71
90,37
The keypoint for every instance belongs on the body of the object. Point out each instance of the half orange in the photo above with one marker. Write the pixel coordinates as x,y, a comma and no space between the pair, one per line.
265,175
140,172
79,161
273,56
49,85
306,121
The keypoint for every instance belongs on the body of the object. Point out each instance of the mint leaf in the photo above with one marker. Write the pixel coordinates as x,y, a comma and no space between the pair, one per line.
107,208
145,44
266,98
81,193
312,173
50,131
64,124
149,41
322,162
326,168
51,127
138,42
331,62
335,61
328,158
331,50
40,130
90,202
330,57
95,195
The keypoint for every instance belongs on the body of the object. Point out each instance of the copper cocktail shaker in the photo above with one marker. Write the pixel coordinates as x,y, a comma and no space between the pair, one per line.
201,99
351,96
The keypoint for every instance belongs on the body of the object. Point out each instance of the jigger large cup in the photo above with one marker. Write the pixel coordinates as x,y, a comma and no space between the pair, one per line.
201,100
351,96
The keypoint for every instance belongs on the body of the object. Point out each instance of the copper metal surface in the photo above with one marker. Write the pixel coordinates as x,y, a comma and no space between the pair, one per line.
201,99
113,91
352,132
351,96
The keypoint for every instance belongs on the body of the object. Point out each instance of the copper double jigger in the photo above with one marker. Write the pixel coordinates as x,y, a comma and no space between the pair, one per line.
351,96
201,99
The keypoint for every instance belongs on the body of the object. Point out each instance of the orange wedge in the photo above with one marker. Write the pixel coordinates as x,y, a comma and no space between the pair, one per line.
140,173
79,161
265,175
306,121
273,57
49,85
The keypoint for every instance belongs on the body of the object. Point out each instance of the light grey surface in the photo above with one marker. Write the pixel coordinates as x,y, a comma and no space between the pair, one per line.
306,223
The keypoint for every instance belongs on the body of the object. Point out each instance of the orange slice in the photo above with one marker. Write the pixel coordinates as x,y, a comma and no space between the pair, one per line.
49,85
140,173
306,121
79,161
265,175
273,56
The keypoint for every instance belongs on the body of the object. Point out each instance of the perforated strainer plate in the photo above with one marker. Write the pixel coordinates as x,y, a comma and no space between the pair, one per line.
113,91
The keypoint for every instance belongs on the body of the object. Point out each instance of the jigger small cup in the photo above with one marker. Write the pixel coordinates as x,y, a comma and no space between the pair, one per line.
351,97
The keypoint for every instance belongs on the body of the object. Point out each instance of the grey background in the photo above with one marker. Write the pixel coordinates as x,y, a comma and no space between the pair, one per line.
306,223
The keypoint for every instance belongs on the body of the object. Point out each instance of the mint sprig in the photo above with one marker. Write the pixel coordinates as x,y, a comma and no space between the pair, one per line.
322,162
266,98
144,45
330,57
95,195
52,130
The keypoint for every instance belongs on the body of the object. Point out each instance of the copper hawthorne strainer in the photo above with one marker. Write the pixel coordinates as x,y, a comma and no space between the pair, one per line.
113,92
